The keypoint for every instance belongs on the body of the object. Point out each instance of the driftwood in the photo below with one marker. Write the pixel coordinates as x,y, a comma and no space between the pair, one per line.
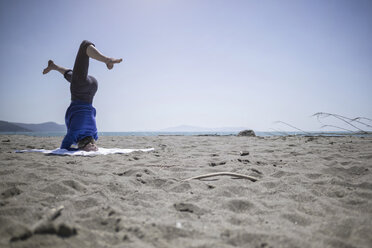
47,226
253,179
285,123
48,218
351,122
346,120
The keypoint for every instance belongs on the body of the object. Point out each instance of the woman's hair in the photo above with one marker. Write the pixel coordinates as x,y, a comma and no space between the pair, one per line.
85,141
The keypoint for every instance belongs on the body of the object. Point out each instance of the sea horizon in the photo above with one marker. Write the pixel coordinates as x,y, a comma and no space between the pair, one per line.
206,133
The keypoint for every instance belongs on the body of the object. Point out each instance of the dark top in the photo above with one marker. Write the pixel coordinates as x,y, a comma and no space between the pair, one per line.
83,91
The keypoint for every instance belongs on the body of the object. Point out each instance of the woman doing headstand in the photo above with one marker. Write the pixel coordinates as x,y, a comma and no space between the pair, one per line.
80,116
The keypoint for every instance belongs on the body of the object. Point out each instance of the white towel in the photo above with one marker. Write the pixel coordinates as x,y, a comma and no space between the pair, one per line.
101,151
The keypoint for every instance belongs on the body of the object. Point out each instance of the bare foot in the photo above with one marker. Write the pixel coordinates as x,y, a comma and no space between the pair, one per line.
111,61
51,66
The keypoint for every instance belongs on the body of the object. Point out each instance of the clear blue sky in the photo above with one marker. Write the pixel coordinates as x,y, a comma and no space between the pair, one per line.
196,62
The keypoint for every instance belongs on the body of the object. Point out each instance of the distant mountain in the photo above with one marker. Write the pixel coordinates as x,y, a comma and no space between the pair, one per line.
43,127
187,128
23,127
10,127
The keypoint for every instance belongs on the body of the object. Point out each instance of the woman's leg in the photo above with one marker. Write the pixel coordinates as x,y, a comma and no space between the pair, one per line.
95,54
81,66
86,50
51,66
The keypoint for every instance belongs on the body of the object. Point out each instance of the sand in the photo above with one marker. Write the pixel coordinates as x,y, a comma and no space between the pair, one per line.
311,192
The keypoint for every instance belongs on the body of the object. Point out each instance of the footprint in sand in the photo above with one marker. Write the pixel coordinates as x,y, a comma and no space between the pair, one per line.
159,183
242,238
188,207
313,175
181,188
213,164
244,161
239,205
271,185
131,172
11,192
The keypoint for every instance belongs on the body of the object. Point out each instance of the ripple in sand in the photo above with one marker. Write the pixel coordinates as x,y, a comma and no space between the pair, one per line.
12,211
271,185
241,238
349,172
341,229
280,174
74,184
86,203
170,232
57,189
6,172
296,219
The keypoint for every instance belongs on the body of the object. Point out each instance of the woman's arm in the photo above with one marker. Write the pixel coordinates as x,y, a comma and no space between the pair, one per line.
68,75
67,142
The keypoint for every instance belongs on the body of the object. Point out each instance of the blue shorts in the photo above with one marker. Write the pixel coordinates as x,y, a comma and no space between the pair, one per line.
80,121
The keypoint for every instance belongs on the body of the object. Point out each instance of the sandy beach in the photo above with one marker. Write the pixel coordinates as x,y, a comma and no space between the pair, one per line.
311,192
